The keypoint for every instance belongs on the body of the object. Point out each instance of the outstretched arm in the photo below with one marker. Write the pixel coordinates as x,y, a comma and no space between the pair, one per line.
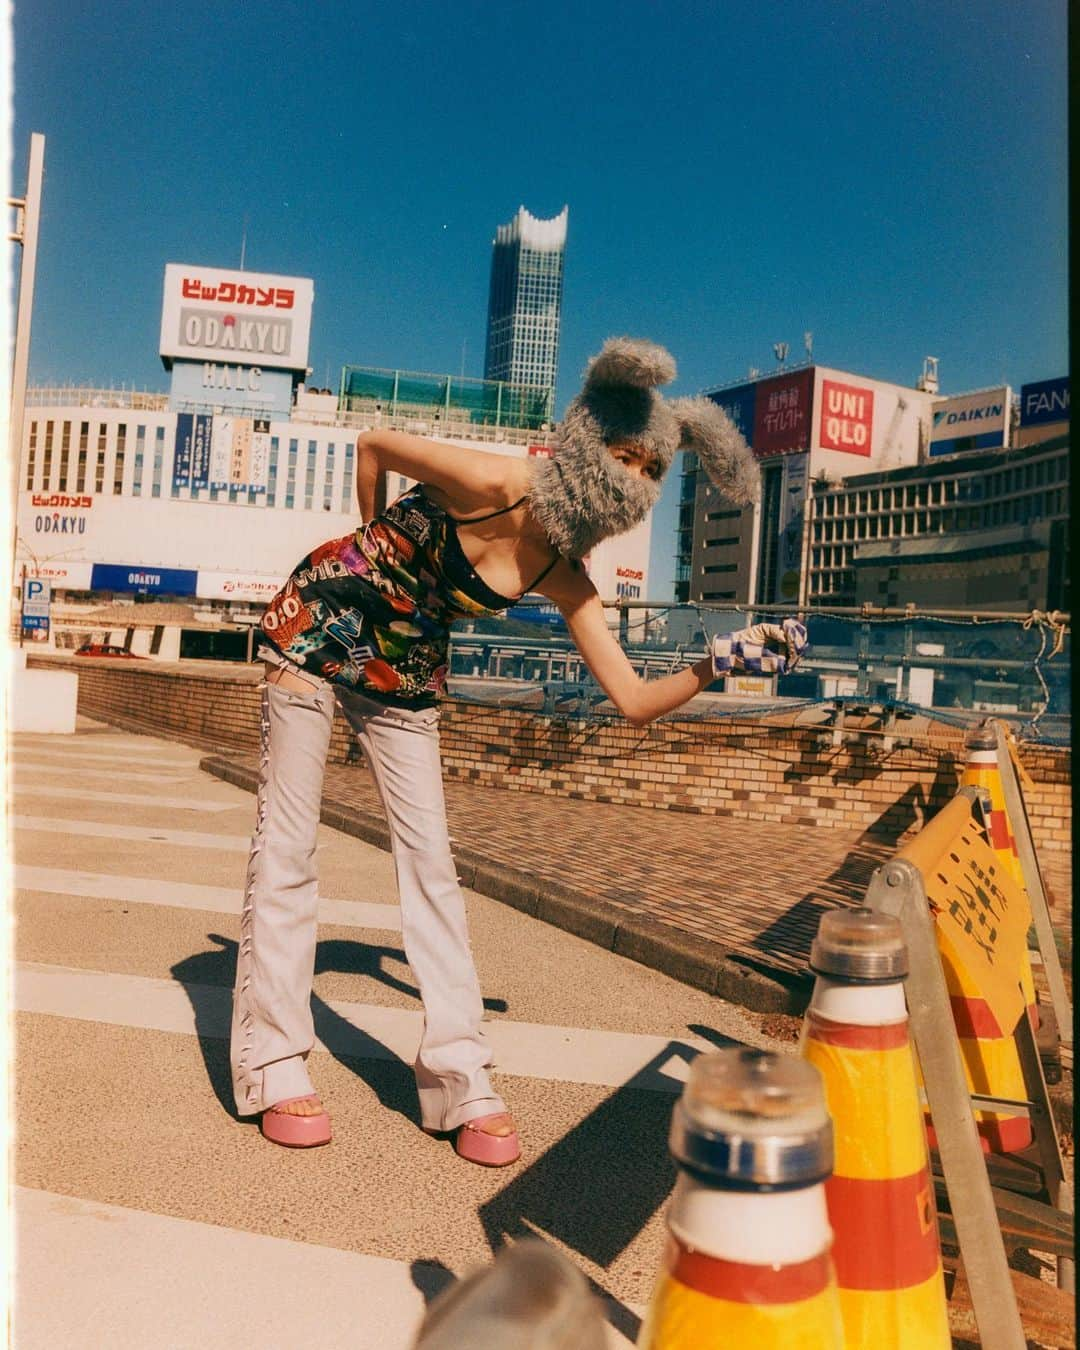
468,479
639,701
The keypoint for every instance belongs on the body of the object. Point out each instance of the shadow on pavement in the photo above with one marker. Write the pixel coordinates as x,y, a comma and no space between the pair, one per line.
216,970
600,1184
592,1191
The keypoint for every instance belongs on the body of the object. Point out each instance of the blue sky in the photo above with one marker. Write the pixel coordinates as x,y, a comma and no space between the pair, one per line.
889,176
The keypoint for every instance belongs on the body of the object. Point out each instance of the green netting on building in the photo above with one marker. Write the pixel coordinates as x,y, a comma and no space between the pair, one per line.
455,398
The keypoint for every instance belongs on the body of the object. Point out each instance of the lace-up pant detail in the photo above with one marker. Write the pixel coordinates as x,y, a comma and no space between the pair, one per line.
272,1031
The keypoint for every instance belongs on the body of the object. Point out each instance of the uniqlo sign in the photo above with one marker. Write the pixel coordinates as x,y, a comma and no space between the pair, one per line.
847,417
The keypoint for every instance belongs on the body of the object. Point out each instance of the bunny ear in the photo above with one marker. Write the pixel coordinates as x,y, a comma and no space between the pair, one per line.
630,361
720,446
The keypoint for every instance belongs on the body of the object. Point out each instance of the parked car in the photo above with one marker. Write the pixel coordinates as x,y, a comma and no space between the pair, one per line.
105,649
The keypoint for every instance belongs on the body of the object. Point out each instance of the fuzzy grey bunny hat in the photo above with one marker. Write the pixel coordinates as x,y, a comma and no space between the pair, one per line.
584,494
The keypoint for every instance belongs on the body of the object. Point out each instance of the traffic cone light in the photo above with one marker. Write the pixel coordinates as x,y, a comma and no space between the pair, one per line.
530,1298
747,1261
881,1194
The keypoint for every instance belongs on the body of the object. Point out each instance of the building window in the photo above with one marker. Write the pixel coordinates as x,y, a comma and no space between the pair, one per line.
140,443
271,474
118,471
309,477
84,445
724,542
99,462
290,479
46,466
32,457
328,478
65,456
159,454
347,478
719,567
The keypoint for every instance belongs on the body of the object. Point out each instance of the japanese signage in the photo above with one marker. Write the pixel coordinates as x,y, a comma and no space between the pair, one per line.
977,421
782,414
63,575
847,417
1044,403
628,582
249,318
240,586
143,580
773,415
239,455
982,921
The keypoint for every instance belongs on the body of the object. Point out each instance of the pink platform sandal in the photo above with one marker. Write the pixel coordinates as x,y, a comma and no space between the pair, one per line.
477,1146
281,1127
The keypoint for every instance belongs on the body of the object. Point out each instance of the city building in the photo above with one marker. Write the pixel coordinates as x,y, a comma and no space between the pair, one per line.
525,302
986,531
206,496
851,466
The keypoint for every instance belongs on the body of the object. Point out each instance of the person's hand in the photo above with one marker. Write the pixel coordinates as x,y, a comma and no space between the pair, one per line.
763,649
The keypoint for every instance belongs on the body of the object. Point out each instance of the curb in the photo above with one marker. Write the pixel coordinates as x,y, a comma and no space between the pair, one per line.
696,961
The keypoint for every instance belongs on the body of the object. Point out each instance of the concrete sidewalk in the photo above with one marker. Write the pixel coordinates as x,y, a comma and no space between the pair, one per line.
724,903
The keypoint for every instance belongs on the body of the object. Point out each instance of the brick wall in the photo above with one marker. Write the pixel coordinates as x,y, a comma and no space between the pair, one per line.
739,768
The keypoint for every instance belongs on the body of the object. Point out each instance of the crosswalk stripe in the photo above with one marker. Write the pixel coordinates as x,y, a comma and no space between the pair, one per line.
239,1276
376,1303
147,799
230,843
188,895
361,1030
74,769
122,755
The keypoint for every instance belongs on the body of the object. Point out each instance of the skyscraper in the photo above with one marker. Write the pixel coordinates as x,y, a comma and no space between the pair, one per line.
525,301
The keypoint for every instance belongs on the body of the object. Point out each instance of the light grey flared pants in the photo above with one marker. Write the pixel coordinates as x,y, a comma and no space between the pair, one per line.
272,1028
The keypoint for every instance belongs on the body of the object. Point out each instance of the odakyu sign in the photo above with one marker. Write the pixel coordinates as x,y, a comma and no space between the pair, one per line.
241,318
143,580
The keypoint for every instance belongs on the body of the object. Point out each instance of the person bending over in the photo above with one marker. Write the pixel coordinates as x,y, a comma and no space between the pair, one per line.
363,623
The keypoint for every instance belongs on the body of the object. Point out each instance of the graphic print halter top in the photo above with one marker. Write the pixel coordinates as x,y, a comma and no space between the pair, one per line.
372,610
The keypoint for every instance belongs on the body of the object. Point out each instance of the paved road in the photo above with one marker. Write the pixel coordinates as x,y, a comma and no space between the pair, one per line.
149,1215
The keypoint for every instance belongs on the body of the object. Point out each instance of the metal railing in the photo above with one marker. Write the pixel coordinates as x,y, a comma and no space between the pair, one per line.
420,419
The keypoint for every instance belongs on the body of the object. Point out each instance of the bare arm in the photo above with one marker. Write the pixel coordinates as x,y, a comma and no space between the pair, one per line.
639,701
468,479
370,482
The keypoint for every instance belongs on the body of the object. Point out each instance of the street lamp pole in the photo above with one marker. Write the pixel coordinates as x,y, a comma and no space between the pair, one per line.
26,234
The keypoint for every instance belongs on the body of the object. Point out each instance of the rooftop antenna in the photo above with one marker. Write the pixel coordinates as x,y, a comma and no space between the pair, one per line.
808,343
780,351
928,380
243,242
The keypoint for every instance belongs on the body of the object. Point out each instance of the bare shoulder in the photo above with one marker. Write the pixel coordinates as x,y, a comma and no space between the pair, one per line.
469,480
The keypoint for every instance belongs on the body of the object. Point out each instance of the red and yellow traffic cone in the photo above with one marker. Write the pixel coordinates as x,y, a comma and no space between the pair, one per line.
881,1194
747,1262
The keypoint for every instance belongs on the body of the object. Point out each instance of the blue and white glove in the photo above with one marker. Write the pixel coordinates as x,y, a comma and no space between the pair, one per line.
764,649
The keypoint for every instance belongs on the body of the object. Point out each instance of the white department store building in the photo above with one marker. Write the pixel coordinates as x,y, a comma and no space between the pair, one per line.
208,495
